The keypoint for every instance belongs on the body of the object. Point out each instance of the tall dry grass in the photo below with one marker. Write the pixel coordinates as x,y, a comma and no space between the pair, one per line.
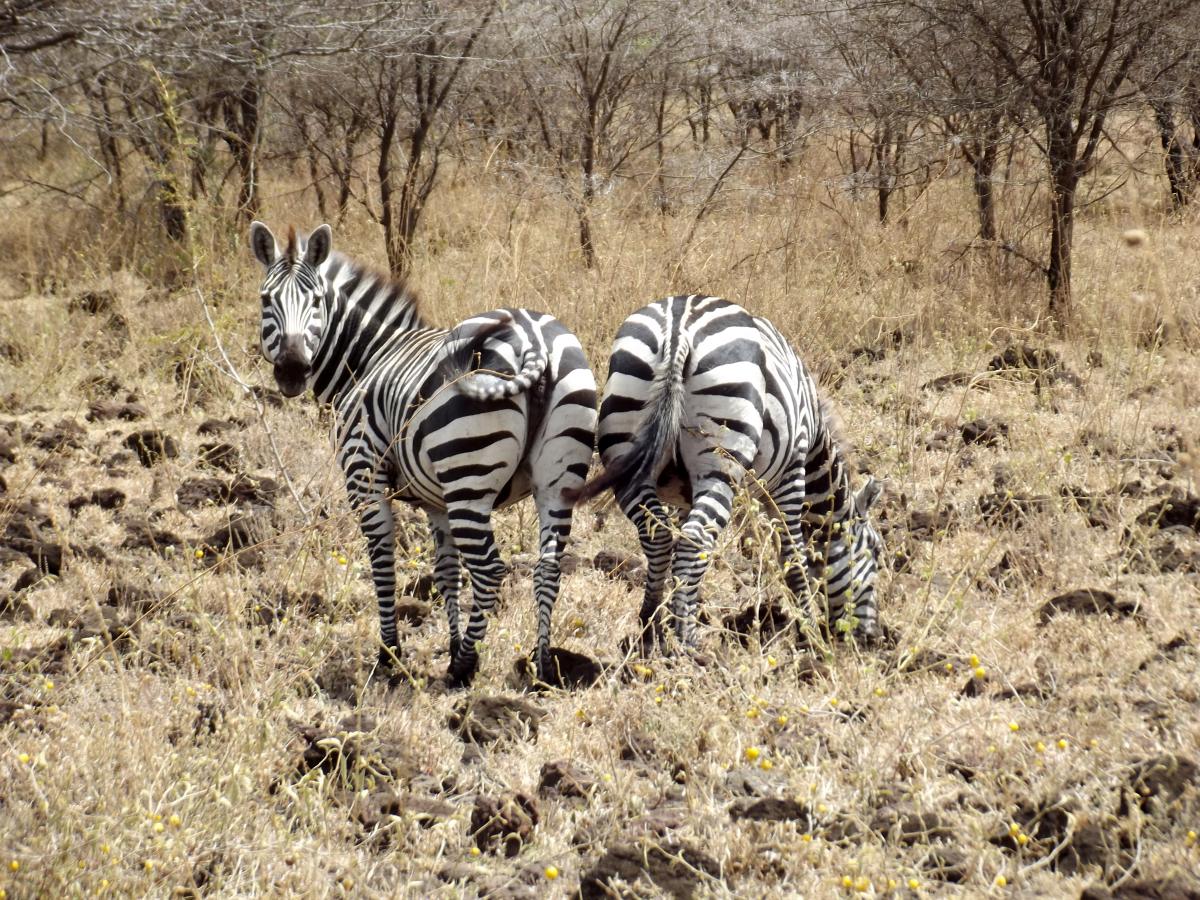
169,763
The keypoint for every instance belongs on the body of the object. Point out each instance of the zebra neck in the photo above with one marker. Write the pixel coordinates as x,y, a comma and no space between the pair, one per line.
365,314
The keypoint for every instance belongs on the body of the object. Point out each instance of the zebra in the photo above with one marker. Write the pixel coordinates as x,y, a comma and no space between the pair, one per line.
457,423
702,396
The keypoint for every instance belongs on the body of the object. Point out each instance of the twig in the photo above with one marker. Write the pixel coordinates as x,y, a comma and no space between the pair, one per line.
231,371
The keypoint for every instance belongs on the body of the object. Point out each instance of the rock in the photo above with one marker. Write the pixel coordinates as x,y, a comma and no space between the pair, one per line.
220,455
1088,601
28,579
142,535
773,809
107,410
565,780
766,619
350,754
132,596
218,426
640,747
954,379
568,670
152,446
675,869
617,564
201,491
1176,510
1172,549
485,719
753,782
23,534
93,303
1174,887
1007,508
987,432
412,612
379,807
65,435
1155,784
8,450
503,825
105,498
910,826
241,531
924,525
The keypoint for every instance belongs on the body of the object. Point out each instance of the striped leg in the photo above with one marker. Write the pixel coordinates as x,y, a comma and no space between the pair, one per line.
554,529
712,504
379,528
471,529
788,502
447,574
646,511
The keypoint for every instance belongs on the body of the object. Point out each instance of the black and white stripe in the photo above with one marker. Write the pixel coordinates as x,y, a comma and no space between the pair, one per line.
458,423
701,397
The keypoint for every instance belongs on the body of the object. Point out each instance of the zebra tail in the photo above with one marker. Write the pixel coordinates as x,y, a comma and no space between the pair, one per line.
643,461
483,385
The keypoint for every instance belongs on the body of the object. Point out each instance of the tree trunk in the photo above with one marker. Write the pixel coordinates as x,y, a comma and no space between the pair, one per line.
1064,180
1164,116
983,166
586,244
660,116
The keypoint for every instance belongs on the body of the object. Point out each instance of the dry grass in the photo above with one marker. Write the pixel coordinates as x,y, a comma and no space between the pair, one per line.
171,759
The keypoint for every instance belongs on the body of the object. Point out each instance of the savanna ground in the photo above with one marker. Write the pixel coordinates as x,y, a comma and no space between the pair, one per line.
188,705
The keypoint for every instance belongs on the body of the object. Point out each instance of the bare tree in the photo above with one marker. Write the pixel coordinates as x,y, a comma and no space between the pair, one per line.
1073,58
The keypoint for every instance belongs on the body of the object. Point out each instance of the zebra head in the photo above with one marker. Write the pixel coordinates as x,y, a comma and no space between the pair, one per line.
865,548
292,294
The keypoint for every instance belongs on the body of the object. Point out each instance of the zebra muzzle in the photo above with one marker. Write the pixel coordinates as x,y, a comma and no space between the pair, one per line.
291,368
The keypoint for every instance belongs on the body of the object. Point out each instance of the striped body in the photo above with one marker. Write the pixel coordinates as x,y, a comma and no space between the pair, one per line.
458,423
701,397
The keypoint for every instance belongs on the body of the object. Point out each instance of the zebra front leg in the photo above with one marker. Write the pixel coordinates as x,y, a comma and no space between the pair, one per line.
647,513
447,575
471,530
379,528
794,550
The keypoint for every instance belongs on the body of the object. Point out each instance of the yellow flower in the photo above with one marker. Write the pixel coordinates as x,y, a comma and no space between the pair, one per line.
702,556
772,662
175,821
766,765
148,865
551,872
949,667
49,685
753,712
474,851
1013,726
1190,839
1001,881
23,758
863,884
752,753
199,553
980,672
806,838
159,827
1014,829
14,866
880,692
1022,839
913,884
974,660
1062,743
847,881
1039,747
781,720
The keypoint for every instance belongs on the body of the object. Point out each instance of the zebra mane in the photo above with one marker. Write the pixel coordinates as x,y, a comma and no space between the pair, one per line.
396,288
836,432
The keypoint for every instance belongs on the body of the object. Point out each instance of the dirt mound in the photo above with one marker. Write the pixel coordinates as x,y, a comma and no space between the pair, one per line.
675,869
487,719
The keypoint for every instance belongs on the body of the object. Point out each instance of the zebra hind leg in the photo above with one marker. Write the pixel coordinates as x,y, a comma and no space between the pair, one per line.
447,575
710,513
554,529
642,506
471,530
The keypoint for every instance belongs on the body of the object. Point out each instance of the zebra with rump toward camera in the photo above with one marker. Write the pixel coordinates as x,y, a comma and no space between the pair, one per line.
458,423
701,395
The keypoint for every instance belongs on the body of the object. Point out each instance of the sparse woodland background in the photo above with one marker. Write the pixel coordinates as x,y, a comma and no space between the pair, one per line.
974,219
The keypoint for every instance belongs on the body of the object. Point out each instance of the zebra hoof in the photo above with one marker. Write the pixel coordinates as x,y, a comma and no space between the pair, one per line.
462,670
389,657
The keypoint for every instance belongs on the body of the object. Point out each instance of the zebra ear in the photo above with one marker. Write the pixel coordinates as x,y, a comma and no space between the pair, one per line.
865,498
320,242
262,242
